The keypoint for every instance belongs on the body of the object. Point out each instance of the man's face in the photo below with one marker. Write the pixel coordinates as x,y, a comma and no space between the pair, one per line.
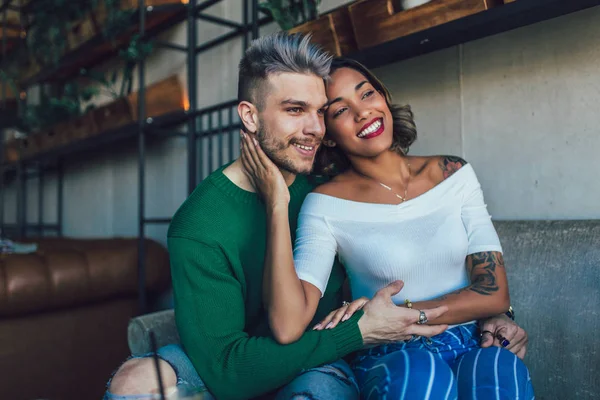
291,123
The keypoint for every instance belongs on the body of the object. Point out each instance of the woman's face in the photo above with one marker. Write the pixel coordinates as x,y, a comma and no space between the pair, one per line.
358,119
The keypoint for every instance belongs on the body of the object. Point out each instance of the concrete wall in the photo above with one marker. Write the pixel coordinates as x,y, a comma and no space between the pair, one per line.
519,106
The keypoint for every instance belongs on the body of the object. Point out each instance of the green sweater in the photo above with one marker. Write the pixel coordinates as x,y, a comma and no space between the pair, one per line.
217,244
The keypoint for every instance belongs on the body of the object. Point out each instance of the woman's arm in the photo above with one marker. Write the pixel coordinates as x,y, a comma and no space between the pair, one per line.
487,295
290,302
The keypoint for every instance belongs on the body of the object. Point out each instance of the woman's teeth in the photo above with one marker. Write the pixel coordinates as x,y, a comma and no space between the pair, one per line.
372,128
307,148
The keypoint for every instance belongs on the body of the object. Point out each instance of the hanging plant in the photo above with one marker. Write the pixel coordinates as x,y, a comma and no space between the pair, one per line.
47,43
54,109
290,13
50,21
116,18
137,51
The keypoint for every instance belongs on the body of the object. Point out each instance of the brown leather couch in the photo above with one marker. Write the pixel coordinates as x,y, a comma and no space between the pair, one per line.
64,313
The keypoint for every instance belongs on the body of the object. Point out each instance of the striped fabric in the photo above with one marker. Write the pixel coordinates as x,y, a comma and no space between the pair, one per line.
448,366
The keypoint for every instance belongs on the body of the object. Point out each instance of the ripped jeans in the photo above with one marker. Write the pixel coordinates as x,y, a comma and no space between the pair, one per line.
327,382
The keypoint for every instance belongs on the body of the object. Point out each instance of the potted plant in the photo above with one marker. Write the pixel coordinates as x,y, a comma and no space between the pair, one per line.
333,31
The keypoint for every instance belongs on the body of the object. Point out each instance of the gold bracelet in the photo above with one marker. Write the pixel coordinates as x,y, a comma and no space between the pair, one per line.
408,303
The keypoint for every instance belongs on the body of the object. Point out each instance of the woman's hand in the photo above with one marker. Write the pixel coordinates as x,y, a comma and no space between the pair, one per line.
501,326
341,314
263,173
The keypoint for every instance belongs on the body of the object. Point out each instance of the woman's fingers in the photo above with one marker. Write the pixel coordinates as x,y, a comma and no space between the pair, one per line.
246,148
354,307
248,168
262,157
325,323
252,147
521,353
337,317
341,314
516,337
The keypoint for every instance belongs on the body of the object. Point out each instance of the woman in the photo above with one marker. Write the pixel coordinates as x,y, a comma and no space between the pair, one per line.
390,216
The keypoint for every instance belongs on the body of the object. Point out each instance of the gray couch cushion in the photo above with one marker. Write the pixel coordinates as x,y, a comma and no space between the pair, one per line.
162,323
554,276
553,270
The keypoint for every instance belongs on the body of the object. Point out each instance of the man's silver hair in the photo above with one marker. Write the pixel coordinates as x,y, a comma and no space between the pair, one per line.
278,53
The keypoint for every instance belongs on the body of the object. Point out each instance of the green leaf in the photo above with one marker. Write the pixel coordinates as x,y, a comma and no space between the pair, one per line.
70,89
87,96
290,13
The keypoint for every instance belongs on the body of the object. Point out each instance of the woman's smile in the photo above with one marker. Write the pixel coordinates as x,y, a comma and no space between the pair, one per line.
372,129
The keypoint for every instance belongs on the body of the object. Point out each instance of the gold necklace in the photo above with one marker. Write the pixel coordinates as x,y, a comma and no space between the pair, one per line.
403,198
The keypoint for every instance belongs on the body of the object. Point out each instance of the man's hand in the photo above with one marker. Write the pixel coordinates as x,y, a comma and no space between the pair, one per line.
507,328
385,322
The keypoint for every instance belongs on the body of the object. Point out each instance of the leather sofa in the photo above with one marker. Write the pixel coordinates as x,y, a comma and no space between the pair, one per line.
63,313
553,269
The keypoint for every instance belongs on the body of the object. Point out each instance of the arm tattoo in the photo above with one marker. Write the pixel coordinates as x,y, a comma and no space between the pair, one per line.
482,270
451,164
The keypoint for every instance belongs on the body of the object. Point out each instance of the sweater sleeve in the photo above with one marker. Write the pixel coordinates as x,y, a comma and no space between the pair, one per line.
210,317
481,233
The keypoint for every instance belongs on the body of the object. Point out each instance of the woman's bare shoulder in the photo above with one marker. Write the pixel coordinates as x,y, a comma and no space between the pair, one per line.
439,168
448,165
339,186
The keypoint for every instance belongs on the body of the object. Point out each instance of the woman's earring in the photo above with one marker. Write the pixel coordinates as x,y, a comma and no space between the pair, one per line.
329,143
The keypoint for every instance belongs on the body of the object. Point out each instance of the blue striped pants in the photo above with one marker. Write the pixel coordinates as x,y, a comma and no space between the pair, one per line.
450,365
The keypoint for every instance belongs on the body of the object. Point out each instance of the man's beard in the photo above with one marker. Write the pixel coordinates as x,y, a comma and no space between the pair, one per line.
275,150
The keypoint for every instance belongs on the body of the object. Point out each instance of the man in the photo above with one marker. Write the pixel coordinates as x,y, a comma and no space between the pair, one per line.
217,245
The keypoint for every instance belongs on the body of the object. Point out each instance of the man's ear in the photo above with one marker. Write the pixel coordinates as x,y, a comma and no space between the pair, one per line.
249,116
329,143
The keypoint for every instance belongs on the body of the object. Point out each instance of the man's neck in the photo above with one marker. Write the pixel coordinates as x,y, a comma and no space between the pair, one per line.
237,174
288,176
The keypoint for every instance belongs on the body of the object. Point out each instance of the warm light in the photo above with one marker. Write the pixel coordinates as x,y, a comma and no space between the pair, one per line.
186,103
23,95
185,1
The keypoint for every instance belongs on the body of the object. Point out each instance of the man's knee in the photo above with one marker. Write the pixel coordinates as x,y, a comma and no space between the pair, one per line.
138,376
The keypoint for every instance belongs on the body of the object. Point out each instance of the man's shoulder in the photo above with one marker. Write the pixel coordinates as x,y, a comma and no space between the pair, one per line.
198,215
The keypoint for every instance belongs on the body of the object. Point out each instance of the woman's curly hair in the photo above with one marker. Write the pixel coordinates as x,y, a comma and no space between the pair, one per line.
332,161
